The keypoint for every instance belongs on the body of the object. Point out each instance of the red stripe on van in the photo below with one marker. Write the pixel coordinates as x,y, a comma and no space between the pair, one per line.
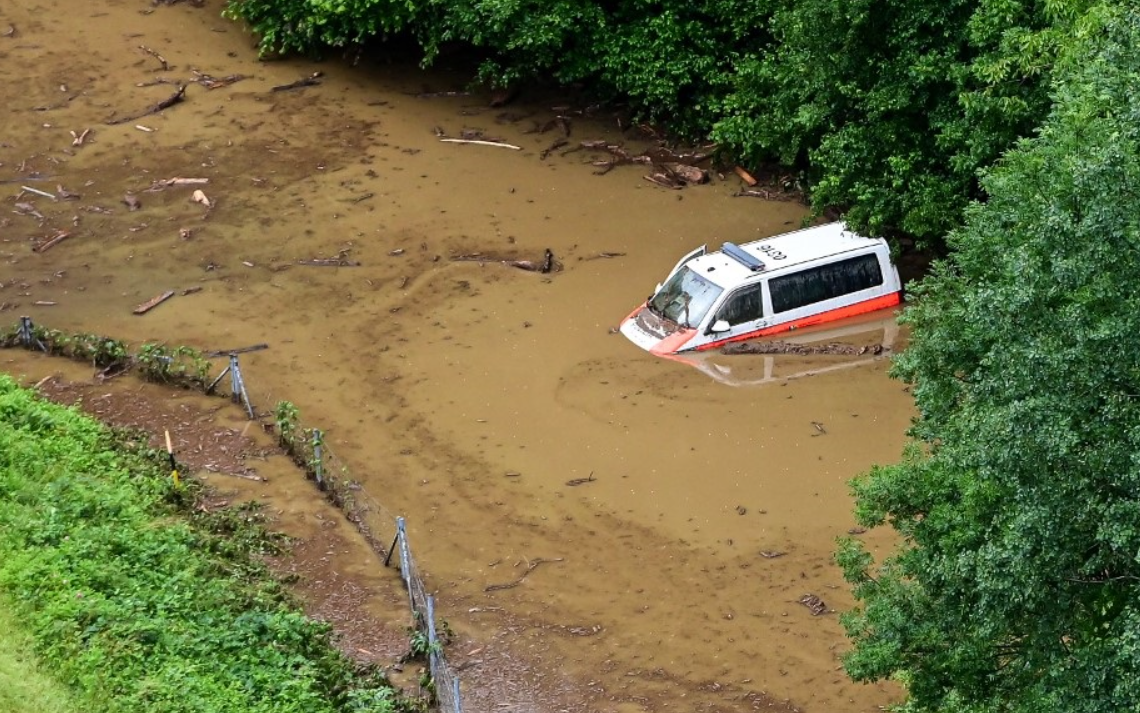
823,317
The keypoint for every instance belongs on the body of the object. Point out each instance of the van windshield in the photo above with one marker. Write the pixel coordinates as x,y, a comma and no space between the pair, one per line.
685,299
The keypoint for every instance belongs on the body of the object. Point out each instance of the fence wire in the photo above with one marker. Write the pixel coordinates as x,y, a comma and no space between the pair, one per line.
386,533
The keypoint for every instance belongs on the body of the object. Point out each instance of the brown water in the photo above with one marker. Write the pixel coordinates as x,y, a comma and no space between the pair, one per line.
464,395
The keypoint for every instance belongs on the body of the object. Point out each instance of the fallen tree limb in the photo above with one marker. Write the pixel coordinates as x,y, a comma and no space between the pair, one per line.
170,101
312,80
480,142
531,565
153,302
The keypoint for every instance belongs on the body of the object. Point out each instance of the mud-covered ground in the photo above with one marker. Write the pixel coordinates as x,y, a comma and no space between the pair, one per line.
493,407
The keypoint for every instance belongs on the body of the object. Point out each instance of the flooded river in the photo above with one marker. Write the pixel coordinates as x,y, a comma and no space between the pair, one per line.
465,395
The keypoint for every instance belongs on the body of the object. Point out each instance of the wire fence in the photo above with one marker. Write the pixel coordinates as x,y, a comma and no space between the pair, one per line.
307,448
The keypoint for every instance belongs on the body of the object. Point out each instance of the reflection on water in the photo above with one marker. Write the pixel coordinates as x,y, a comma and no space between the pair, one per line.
857,342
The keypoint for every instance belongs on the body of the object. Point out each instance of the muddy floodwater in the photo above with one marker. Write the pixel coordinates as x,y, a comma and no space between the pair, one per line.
465,395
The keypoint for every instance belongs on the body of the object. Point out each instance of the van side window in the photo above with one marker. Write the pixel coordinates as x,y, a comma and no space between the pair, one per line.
744,305
825,282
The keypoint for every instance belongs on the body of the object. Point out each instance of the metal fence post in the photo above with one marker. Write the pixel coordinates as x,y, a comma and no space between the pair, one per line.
318,466
405,560
237,386
433,646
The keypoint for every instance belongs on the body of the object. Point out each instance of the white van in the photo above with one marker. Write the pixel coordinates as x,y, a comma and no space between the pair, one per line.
789,281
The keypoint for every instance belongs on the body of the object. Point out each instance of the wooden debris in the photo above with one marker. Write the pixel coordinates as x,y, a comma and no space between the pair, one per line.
329,262
191,290
60,236
65,194
481,142
814,604
603,255
215,83
44,303
132,202
28,209
199,197
78,139
10,32
170,101
156,55
580,481
530,567
38,192
153,302
771,554
147,129
745,176
185,233
309,81
558,143
176,181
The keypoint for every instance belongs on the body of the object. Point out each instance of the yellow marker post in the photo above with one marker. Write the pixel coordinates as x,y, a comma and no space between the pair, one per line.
173,465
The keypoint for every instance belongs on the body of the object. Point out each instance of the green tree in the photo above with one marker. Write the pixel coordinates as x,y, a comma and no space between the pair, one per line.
1016,586
892,106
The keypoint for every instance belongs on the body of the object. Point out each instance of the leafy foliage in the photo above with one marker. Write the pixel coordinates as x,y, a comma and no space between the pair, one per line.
134,606
1017,587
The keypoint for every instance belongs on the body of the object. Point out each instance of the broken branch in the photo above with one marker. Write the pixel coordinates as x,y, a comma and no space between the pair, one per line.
170,101
479,142
153,302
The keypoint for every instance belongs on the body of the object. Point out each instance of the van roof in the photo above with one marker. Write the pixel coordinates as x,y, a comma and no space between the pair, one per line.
799,246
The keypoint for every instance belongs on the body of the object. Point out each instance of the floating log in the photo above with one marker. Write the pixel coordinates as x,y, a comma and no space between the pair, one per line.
309,81
153,302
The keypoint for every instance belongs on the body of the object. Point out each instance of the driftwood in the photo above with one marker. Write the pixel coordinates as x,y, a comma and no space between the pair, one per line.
814,604
153,302
177,181
581,481
209,82
78,139
329,262
558,143
66,195
28,209
170,101
309,81
530,567
60,236
481,142
546,265
38,192
156,55
745,176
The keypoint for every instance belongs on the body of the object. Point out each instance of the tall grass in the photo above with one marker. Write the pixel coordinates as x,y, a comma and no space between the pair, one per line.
135,604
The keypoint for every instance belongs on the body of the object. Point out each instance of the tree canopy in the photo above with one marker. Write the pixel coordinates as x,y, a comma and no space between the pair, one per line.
884,108
1017,584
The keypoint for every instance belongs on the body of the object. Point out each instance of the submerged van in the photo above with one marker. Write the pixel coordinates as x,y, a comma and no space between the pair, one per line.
765,287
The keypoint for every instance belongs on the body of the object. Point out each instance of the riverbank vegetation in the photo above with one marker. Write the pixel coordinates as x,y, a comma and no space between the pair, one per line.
886,109
1017,586
135,599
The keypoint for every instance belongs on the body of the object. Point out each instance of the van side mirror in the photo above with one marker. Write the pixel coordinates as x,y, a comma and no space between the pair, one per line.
719,326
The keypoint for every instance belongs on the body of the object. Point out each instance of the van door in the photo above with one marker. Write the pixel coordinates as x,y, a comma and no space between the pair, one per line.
742,312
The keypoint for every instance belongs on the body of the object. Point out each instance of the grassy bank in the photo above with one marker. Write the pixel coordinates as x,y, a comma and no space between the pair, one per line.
25,687
137,601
